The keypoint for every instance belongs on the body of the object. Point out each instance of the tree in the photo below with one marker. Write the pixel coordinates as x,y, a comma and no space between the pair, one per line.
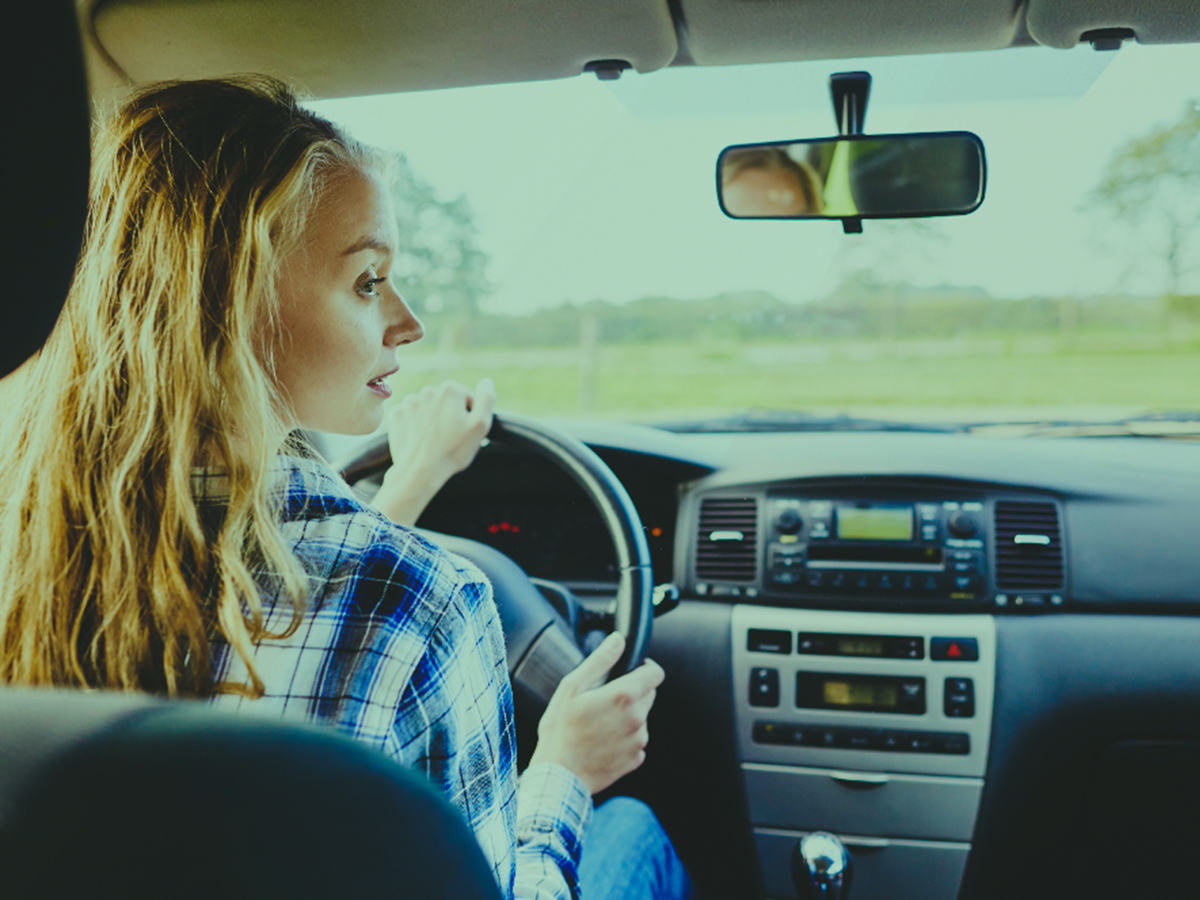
1152,188
440,269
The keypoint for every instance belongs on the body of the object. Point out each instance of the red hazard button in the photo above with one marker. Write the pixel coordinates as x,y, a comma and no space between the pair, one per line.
956,649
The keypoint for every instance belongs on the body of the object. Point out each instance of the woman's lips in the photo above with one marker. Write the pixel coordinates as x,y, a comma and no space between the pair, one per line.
380,385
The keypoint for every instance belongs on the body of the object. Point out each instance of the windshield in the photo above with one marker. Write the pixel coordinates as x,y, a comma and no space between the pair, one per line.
565,239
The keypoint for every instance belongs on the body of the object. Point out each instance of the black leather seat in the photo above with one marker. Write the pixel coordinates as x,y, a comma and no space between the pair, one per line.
105,794
121,795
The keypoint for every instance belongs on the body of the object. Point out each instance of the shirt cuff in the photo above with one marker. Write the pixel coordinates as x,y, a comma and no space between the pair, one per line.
550,796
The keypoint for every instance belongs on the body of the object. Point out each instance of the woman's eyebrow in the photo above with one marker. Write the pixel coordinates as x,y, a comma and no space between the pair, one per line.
368,243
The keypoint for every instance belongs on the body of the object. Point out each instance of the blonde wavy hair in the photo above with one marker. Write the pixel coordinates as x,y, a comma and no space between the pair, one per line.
162,362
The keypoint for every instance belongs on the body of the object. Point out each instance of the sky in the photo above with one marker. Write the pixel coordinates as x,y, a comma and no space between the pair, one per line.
585,189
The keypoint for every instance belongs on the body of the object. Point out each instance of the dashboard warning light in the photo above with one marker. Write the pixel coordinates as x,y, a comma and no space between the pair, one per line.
656,532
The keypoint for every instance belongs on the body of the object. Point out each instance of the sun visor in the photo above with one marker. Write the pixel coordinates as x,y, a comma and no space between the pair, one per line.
355,47
1060,23
730,32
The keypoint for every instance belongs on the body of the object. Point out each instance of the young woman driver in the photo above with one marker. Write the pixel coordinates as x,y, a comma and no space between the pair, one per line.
161,528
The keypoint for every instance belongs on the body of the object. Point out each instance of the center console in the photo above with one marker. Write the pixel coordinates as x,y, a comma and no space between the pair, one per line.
871,725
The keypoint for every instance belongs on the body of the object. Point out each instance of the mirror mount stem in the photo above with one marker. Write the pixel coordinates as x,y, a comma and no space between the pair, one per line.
850,92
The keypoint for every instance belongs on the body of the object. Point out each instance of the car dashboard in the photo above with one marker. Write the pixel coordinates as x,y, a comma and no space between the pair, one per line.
951,650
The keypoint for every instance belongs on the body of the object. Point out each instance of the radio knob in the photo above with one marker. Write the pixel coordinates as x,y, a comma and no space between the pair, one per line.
962,525
788,522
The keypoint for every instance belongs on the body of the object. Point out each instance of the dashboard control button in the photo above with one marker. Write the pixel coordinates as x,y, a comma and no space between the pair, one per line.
788,521
929,531
819,530
824,737
964,561
952,743
954,649
768,733
885,582
785,576
814,577
906,648
764,687
860,739
911,697
817,644
919,743
962,525
958,700
863,581
777,733
763,640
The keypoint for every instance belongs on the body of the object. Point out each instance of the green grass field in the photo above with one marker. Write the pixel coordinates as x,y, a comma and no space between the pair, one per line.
996,379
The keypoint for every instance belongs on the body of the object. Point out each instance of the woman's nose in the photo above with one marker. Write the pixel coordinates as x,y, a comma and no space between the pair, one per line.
405,327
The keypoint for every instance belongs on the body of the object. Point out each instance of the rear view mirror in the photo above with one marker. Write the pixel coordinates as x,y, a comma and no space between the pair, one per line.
888,176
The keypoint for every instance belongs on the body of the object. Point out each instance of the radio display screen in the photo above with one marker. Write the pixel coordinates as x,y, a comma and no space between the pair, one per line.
857,693
875,523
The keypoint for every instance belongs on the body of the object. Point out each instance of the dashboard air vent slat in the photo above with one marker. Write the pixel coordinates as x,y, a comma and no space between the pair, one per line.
726,549
1028,546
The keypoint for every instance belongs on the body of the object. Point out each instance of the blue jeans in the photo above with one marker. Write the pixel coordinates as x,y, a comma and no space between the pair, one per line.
628,856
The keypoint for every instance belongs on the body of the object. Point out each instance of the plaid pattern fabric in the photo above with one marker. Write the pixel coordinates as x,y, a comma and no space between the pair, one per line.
401,647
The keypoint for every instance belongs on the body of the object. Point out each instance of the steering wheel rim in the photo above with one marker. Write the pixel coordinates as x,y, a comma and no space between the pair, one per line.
634,613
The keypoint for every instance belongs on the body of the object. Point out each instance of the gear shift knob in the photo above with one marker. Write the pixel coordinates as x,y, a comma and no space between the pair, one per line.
821,867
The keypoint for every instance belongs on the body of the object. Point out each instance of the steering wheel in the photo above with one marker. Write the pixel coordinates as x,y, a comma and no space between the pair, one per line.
542,648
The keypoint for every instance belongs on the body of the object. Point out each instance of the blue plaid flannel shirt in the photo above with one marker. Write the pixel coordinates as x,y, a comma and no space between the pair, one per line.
401,647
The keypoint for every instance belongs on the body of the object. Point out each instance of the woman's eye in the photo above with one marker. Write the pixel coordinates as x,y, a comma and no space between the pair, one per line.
367,287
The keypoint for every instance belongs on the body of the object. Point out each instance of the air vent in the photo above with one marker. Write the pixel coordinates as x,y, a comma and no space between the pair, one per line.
727,545
1028,546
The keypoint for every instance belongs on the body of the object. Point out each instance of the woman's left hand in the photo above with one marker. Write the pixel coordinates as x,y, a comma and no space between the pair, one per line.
433,434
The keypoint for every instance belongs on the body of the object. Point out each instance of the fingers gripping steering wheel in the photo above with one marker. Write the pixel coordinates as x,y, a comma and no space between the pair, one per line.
541,647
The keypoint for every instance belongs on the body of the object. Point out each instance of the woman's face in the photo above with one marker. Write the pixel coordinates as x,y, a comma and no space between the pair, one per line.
342,319
760,191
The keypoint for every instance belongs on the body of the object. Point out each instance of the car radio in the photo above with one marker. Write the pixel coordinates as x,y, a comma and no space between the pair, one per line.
935,549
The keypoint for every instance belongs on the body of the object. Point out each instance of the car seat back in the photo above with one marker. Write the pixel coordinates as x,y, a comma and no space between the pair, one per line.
113,794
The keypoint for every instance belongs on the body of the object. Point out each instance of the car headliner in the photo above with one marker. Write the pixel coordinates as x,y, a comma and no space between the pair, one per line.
356,47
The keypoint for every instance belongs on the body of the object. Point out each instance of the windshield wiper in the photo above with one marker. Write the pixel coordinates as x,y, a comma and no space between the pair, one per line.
1183,424
760,420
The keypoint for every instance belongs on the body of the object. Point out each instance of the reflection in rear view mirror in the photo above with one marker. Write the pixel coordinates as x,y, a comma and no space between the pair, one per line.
858,176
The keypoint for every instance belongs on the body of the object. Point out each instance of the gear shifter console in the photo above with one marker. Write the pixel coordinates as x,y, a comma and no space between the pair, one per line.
821,867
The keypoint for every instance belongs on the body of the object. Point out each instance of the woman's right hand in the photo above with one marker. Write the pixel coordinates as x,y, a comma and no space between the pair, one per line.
598,730
432,435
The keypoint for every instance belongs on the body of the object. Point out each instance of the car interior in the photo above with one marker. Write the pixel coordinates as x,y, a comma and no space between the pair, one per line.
972,657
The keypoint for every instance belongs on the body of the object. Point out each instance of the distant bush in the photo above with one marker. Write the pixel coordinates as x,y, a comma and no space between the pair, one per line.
858,309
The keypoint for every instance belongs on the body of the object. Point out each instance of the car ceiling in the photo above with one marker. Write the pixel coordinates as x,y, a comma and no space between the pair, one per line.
356,47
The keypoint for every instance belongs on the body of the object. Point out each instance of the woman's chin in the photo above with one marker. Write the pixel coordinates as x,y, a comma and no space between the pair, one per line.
367,423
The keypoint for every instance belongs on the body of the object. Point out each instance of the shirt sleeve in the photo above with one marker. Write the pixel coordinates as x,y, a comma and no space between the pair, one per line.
553,812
